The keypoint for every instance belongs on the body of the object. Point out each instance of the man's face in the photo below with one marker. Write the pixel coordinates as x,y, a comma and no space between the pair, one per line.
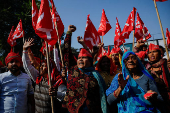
43,69
14,66
144,49
115,57
153,56
131,62
83,62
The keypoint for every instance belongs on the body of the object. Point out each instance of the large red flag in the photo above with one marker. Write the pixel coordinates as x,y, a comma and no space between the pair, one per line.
130,25
161,0
168,37
45,27
19,32
57,19
140,26
104,25
11,42
91,36
34,14
118,40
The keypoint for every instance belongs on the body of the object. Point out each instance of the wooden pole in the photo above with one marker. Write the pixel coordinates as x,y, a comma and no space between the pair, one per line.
133,40
102,47
49,75
23,37
124,46
61,55
161,30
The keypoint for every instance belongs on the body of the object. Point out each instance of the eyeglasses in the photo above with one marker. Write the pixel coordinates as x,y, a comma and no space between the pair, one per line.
130,57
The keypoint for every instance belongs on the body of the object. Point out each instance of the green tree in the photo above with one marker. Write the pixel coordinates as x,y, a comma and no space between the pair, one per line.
11,12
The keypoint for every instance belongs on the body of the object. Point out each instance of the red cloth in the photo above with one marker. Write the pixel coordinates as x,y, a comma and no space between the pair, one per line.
161,0
130,25
141,54
168,37
19,32
104,25
141,31
116,50
113,67
153,47
45,28
13,56
10,41
34,14
118,40
84,52
91,36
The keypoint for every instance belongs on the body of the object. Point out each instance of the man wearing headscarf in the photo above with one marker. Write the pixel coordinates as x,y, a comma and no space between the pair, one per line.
15,87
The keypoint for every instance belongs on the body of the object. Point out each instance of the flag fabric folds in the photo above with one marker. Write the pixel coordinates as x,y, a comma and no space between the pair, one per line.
168,37
130,25
19,32
91,36
104,25
10,41
117,39
141,31
34,14
45,28
56,18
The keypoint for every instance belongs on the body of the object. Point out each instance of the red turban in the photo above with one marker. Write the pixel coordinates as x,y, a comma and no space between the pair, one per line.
12,56
116,50
153,47
84,52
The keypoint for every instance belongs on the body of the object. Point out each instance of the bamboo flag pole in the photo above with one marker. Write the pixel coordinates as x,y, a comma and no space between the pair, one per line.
23,37
102,47
161,30
61,55
133,40
124,46
49,75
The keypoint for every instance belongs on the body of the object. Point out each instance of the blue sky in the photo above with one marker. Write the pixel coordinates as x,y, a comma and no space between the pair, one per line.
75,12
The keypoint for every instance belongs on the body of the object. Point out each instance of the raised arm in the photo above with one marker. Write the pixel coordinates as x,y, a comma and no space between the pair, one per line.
30,70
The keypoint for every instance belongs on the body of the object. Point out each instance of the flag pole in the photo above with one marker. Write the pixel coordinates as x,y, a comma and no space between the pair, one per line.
49,75
133,40
102,47
61,55
23,37
123,46
161,30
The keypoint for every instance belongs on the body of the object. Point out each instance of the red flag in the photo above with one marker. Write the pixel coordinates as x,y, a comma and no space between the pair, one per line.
19,32
140,26
104,25
11,42
91,36
130,25
43,48
57,19
45,27
100,54
168,37
108,50
117,40
34,14
161,0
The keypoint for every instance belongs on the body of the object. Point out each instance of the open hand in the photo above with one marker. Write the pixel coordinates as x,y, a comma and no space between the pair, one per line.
121,81
28,43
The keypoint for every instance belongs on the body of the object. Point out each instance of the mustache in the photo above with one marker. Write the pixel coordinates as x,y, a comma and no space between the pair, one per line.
14,66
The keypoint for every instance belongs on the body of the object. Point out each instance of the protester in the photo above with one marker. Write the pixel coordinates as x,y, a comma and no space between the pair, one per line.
85,86
106,68
42,89
159,70
129,87
15,87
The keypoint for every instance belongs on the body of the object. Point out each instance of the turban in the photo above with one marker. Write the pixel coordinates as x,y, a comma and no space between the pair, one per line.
13,56
141,54
153,47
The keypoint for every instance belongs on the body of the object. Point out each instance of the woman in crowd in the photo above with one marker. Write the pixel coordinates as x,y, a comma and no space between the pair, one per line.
85,86
129,87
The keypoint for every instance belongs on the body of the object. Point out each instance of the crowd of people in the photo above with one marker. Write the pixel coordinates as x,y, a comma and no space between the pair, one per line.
130,82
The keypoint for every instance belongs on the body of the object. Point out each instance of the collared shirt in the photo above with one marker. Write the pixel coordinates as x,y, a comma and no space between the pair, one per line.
14,91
